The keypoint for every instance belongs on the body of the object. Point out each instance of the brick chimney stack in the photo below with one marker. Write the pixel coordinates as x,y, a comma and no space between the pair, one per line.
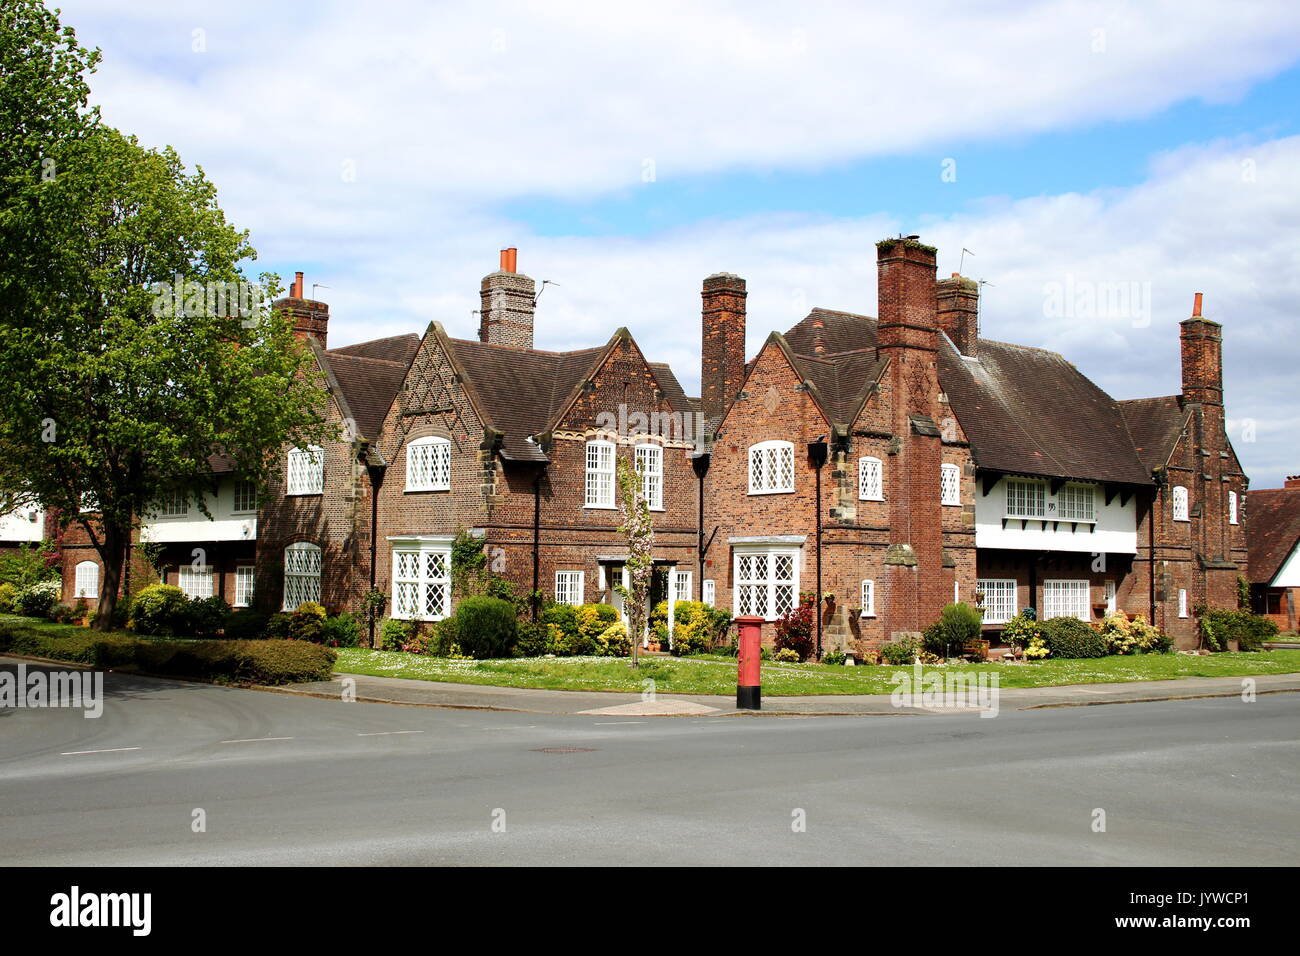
509,300
1292,481
722,358
907,333
958,302
310,318
1202,347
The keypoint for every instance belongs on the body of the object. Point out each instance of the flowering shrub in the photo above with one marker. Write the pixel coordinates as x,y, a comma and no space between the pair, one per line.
787,655
1133,637
900,652
696,626
794,630
1021,629
1036,649
582,630
307,623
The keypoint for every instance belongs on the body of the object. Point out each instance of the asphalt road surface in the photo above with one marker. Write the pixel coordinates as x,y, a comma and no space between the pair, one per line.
286,780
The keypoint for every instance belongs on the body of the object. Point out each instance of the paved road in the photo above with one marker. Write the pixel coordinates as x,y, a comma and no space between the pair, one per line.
284,779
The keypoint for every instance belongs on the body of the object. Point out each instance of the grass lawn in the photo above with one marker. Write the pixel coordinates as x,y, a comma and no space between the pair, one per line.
707,674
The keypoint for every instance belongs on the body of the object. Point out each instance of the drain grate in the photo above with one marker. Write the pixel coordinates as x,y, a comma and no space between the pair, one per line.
564,750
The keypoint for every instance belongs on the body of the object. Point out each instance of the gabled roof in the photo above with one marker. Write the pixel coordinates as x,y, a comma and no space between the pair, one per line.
1025,410
395,348
1156,425
1272,531
368,386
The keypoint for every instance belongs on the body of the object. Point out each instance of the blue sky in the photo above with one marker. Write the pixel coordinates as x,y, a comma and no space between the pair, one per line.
1151,145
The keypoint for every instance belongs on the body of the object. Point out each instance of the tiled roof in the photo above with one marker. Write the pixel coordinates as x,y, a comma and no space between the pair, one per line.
395,348
522,391
1025,410
1272,531
1155,424
368,386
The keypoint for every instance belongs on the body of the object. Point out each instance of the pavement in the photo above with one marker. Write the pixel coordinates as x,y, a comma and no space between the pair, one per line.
398,690
177,773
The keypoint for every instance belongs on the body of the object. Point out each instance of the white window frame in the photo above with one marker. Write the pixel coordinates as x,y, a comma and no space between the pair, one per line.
763,589
1111,592
1232,507
599,456
175,504
868,596
649,461
1031,493
1182,602
709,592
303,563
1179,499
85,582
1076,495
569,587
418,565
1000,595
773,458
196,580
683,582
871,479
245,582
950,484
428,464
305,471
249,494
1060,594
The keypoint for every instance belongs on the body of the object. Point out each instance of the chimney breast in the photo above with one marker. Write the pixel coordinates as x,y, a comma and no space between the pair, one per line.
1292,481
508,301
906,290
1202,353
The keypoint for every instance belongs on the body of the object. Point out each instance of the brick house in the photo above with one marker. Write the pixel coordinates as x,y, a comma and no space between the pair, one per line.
515,444
1274,534
958,468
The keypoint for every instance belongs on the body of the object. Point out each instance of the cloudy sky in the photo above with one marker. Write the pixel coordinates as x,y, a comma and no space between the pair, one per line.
1101,162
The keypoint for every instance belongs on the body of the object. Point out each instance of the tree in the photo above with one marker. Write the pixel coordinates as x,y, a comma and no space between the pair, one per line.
147,353
639,529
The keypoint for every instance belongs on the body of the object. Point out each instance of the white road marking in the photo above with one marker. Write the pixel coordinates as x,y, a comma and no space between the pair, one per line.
615,723
254,740
391,733
111,750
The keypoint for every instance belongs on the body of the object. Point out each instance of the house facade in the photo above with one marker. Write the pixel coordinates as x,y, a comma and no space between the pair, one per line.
893,463
1275,553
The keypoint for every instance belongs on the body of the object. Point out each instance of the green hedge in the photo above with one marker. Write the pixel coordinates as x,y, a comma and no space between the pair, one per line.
1071,638
1220,625
253,662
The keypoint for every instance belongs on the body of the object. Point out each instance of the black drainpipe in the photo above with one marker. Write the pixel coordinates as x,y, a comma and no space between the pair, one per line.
817,455
376,473
537,537
700,465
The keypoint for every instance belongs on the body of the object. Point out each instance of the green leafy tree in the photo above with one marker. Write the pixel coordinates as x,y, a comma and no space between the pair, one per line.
638,528
148,353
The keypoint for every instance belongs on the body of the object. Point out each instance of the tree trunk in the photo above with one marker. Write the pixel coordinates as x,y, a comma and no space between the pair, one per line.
113,553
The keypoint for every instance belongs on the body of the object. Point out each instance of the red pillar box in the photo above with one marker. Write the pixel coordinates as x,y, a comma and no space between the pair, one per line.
749,657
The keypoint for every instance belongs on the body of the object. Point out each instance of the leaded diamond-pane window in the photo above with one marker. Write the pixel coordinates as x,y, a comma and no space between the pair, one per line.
428,465
766,582
871,485
771,467
421,581
301,575
949,485
306,471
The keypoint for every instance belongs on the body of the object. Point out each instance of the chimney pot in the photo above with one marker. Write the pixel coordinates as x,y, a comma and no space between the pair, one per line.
296,291
1292,481
1196,305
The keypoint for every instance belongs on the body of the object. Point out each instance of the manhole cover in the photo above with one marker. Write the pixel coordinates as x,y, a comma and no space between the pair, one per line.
564,750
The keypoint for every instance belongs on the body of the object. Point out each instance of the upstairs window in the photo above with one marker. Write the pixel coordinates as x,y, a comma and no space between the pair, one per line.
771,467
568,587
428,465
871,484
949,485
650,466
174,504
1026,499
306,471
1076,503
1232,507
301,575
245,496
86,583
600,474
1180,503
